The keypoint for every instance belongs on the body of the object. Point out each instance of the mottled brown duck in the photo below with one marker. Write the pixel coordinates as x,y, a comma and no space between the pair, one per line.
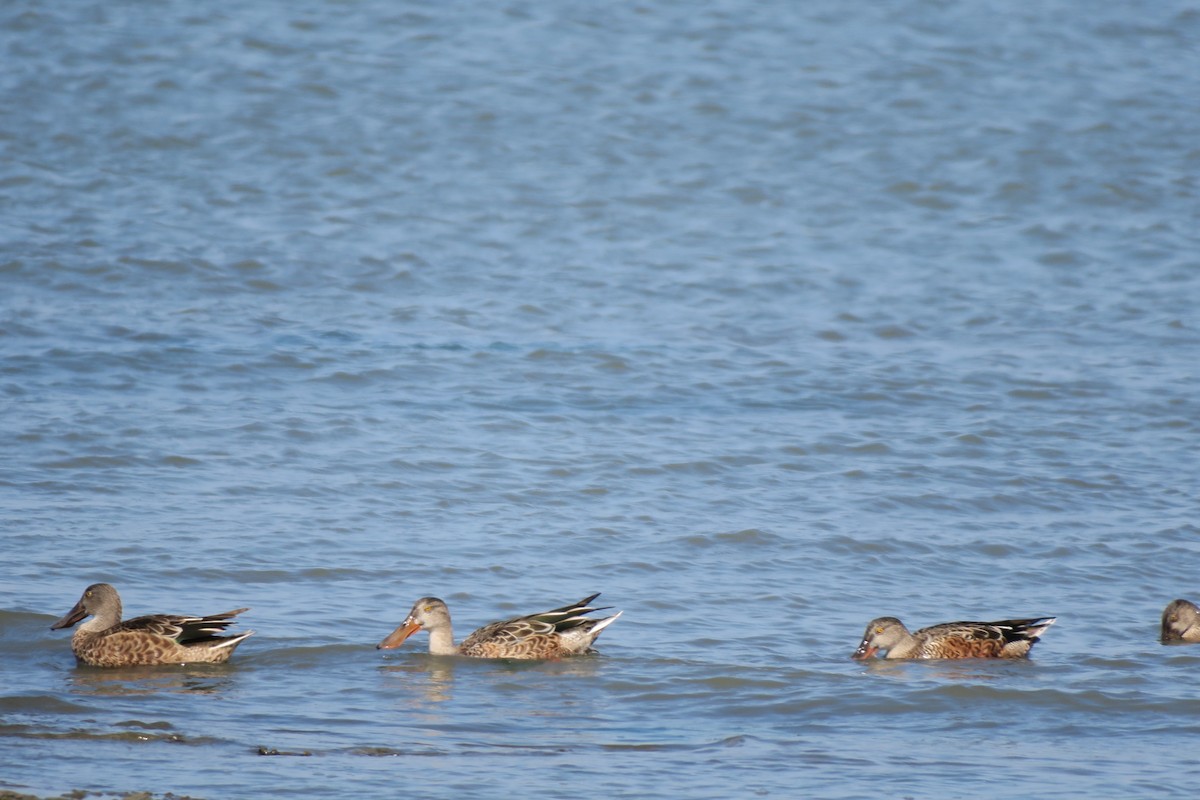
887,637
1180,622
106,641
549,635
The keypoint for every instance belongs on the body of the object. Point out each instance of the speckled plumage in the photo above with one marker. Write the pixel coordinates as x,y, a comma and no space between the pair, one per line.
552,634
1180,622
1011,638
106,641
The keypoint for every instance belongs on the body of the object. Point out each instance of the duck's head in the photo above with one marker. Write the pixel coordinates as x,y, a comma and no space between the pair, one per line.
428,613
99,599
1180,622
881,634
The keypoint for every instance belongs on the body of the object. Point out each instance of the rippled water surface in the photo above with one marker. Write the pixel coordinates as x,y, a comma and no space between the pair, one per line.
763,319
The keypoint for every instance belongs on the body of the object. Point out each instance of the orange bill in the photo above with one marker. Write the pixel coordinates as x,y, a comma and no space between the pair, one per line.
865,651
397,637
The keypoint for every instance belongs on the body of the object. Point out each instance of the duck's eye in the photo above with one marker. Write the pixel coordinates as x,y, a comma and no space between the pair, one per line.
428,609
879,629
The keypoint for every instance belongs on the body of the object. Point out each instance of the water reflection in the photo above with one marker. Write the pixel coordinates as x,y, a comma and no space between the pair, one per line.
150,680
966,669
432,677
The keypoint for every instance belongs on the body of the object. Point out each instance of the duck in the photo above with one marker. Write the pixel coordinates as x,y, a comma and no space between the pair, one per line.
1010,638
551,634
106,641
1180,622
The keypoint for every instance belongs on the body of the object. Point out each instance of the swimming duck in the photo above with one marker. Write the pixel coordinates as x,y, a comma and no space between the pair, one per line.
106,641
1180,622
550,634
1011,638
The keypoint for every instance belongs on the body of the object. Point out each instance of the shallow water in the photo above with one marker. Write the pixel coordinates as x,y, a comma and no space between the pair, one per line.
761,319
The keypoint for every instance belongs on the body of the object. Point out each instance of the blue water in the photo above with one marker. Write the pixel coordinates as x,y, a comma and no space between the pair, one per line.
763,319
